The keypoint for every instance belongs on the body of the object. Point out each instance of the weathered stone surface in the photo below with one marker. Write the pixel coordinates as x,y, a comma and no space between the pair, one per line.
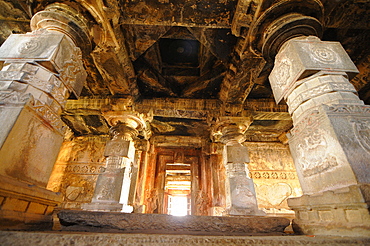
105,239
167,224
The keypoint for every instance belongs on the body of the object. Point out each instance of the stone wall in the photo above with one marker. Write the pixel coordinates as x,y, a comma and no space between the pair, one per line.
272,169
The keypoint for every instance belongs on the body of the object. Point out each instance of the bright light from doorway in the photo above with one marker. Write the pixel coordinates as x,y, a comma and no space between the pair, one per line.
178,205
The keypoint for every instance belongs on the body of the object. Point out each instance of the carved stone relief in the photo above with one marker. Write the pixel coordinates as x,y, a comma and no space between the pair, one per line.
76,170
361,128
323,53
312,153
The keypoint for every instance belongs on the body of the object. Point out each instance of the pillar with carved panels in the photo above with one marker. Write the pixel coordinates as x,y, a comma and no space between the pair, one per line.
40,70
112,190
330,141
240,193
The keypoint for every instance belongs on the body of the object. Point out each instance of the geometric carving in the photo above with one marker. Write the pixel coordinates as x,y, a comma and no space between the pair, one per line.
347,109
323,54
317,86
273,175
29,46
48,115
283,74
83,169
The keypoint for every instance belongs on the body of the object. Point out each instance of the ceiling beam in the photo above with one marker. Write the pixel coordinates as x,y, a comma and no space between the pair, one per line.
186,13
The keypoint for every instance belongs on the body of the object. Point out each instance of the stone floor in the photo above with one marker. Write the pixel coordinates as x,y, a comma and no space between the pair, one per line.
17,238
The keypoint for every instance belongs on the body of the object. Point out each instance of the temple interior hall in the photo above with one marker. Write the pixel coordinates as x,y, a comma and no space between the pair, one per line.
169,122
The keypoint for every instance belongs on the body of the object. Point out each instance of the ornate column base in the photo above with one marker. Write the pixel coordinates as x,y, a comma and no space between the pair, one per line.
342,212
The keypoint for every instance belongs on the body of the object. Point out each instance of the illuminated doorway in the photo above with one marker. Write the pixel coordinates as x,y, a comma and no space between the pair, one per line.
178,189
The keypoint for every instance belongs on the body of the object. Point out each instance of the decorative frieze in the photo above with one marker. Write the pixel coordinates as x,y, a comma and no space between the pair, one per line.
13,97
272,174
83,169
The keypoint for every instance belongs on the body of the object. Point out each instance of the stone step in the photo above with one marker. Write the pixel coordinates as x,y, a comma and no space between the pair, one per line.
77,220
21,238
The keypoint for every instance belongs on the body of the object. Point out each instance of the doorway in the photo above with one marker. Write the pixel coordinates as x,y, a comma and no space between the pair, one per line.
178,189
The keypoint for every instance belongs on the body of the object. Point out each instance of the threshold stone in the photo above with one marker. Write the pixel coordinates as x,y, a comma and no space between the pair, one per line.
76,220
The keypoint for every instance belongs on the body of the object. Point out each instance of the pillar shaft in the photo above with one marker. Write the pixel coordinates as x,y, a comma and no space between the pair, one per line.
113,185
329,141
112,190
240,193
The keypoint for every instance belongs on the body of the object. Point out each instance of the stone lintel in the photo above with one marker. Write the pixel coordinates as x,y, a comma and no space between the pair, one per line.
181,141
167,224
179,108
164,13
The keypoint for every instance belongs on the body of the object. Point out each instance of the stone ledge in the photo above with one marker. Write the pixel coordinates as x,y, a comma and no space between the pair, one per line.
10,187
25,206
73,220
102,239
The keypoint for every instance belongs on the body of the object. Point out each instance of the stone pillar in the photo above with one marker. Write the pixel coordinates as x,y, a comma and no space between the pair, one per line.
218,177
141,146
113,185
240,193
40,70
330,141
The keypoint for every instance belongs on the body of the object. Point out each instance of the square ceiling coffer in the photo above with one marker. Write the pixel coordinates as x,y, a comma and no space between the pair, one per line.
179,55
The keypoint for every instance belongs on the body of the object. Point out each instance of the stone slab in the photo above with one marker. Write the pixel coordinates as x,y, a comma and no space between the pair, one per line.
74,220
16,238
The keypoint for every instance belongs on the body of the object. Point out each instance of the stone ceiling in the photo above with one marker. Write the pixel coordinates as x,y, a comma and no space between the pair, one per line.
191,62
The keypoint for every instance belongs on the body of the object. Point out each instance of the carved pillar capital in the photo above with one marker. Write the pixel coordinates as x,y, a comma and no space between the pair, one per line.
123,131
122,120
67,20
230,130
304,56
